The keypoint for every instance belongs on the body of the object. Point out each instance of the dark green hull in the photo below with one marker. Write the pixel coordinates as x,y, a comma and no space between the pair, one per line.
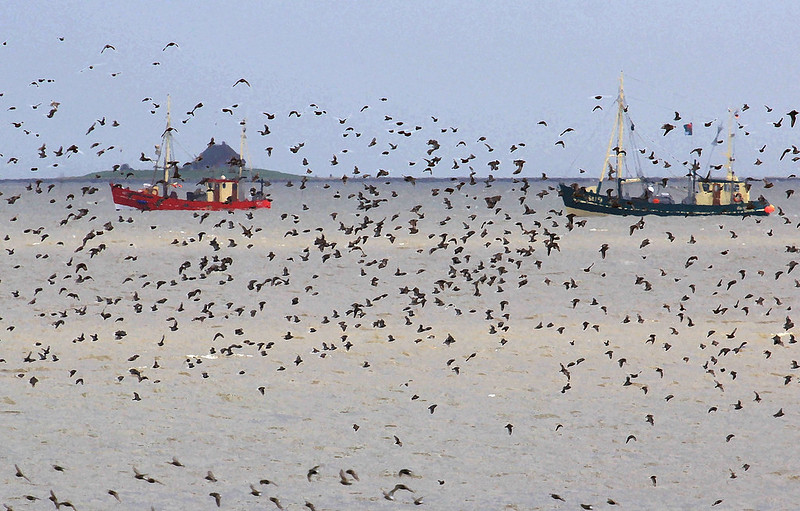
582,200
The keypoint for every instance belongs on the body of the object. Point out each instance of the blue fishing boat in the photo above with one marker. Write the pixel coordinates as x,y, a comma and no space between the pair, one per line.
619,193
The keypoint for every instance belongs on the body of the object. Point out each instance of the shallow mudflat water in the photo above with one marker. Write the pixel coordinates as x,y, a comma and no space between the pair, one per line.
493,354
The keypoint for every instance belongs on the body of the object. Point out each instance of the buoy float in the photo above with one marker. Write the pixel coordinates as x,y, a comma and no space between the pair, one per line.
769,209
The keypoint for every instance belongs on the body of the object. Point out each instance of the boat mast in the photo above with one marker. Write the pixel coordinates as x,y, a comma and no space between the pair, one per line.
242,143
167,143
618,132
620,128
729,154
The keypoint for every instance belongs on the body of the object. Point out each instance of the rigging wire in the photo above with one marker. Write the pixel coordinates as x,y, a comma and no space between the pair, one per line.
656,86
594,134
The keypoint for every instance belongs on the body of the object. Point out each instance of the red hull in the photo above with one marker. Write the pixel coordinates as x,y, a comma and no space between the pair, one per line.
149,202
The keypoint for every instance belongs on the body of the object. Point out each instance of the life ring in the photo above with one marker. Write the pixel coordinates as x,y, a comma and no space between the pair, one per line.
737,197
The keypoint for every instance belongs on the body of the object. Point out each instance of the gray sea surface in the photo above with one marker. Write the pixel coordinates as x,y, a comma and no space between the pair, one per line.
467,341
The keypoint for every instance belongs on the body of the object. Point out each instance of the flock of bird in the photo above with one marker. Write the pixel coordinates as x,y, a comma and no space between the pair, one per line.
460,280
463,332
391,145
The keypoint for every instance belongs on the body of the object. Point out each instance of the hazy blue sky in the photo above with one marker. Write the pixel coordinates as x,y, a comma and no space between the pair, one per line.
492,69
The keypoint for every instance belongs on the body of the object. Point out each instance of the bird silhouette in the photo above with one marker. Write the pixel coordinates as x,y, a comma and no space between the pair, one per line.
217,498
792,117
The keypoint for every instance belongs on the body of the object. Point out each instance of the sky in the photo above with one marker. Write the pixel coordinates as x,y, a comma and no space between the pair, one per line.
435,78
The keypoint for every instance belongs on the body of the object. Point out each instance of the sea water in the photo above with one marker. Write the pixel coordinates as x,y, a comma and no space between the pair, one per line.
471,333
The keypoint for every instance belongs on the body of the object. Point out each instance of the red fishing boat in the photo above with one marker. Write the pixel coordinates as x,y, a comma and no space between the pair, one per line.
213,194
219,194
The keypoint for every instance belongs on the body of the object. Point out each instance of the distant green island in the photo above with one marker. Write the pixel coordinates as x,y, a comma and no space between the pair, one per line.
216,160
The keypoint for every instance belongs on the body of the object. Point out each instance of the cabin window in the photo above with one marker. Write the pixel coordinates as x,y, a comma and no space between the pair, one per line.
705,187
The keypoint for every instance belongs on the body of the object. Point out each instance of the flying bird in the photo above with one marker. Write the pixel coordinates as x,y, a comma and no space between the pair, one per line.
191,112
217,497
793,117
241,80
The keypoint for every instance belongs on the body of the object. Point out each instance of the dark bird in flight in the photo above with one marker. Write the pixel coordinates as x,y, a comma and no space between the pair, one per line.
398,487
20,474
241,80
793,117
171,43
343,478
217,497
191,112
108,47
